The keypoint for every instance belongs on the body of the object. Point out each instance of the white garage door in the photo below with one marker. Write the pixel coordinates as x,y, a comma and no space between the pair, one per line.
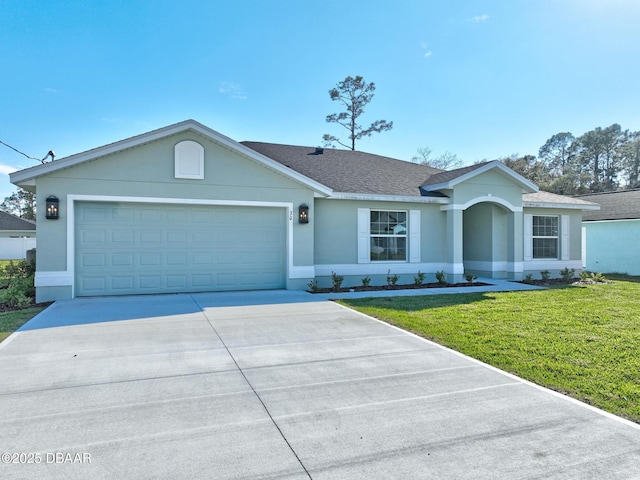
127,248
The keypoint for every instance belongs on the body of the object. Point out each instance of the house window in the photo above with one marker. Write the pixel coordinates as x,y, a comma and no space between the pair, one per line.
545,236
388,232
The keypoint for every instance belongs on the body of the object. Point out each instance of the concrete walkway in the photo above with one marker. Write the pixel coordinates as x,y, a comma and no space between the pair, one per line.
277,385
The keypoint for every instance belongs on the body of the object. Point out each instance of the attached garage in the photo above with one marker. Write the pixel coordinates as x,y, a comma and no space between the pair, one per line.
140,248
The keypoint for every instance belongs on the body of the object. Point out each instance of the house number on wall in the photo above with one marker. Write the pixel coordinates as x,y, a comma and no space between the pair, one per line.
290,214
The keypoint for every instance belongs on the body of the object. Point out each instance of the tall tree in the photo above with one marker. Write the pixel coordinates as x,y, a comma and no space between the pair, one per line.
599,154
354,93
558,153
20,203
530,168
630,153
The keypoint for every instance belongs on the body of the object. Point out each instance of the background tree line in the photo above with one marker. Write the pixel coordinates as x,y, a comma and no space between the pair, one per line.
600,160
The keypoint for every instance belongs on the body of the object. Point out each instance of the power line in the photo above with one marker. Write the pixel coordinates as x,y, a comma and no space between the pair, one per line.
50,153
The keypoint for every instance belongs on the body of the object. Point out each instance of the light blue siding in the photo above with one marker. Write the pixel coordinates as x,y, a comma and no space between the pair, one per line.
612,246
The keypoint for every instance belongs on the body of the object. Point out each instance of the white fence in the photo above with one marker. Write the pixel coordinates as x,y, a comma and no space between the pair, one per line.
15,248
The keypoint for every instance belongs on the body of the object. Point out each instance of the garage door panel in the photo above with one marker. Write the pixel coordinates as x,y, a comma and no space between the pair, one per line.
142,248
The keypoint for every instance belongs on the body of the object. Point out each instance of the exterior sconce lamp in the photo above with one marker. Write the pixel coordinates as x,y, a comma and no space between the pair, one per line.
303,214
52,208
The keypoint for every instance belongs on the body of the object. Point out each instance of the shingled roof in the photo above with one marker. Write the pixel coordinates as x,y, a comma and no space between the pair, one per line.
350,171
622,205
11,222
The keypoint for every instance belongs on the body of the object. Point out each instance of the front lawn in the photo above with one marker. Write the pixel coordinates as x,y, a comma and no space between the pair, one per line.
583,341
12,320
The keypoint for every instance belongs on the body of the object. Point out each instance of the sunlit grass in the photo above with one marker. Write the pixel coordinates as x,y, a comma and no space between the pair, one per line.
11,321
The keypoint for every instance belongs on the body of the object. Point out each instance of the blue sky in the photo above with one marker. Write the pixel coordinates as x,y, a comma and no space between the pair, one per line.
482,79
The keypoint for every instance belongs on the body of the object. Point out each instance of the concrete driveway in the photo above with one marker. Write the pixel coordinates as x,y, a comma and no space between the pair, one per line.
277,385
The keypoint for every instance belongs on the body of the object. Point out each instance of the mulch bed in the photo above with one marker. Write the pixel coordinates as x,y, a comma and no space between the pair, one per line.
6,308
409,286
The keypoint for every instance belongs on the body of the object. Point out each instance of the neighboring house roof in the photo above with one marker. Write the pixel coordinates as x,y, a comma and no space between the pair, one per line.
622,205
350,171
11,222
547,199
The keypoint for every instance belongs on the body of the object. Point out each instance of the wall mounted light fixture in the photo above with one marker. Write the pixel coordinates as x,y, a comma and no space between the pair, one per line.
303,214
53,211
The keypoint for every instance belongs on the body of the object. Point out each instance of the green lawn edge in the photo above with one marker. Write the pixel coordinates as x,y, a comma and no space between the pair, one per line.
582,341
13,320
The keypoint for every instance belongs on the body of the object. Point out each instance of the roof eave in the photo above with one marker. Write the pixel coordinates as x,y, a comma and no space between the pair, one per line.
527,186
387,198
573,206
28,176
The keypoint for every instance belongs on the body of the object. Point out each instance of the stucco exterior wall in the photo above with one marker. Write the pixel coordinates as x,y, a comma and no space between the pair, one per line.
148,171
612,246
573,243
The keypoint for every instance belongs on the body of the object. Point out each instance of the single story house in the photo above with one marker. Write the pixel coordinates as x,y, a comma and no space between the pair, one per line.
17,235
610,235
186,209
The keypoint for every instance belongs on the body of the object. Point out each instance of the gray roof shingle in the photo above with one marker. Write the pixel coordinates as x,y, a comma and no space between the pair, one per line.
11,222
448,175
620,205
350,171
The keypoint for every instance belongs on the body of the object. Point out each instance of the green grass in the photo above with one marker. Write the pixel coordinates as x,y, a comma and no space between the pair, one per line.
583,341
11,321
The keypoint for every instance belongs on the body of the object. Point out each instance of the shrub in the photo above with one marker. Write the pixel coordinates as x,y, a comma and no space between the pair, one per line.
14,296
568,274
528,278
441,277
19,277
366,281
545,275
313,286
17,270
391,279
419,278
470,277
336,281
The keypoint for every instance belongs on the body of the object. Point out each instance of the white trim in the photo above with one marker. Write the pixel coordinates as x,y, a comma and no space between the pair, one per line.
187,151
583,251
364,238
414,236
515,267
567,206
72,198
23,176
565,229
379,268
454,268
487,198
387,198
528,237
538,265
53,279
516,177
486,266
302,272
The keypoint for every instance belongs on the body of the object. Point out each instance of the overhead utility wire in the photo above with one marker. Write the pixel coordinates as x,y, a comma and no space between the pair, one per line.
50,153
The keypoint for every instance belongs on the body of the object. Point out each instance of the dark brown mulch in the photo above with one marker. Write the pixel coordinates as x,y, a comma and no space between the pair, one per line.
6,308
409,286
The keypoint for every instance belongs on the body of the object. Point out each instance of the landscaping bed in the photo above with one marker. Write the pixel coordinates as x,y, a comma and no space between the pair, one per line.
408,286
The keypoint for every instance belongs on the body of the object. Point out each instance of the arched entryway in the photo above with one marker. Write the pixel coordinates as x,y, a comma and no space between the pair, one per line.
486,240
